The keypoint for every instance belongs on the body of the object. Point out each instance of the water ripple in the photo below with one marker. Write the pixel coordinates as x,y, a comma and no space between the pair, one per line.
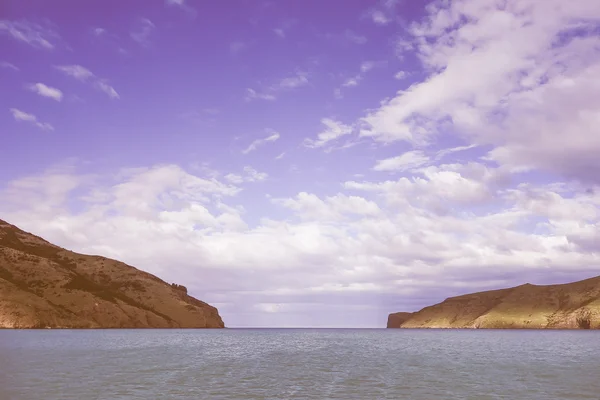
299,364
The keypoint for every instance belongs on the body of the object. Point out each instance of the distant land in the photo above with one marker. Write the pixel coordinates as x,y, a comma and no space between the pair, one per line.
46,286
567,306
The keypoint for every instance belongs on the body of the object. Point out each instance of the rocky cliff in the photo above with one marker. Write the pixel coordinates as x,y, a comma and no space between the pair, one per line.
45,286
568,306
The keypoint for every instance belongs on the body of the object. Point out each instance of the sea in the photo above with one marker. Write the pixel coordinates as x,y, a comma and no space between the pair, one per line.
299,364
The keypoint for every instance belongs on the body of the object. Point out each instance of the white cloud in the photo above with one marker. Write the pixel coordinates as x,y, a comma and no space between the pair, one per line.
383,13
270,307
354,81
250,175
299,79
234,178
310,207
438,188
76,71
106,88
518,77
22,116
99,31
404,162
379,17
400,75
333,131
280,156
272,136
284,26
442,153
46,91
367,66
19,115
27,32
6,64
85,75
252,94
142,30
253,175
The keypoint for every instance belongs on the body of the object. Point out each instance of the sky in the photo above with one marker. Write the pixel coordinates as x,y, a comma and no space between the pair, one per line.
308,163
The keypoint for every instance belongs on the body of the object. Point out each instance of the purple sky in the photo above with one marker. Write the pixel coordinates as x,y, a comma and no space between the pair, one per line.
308,163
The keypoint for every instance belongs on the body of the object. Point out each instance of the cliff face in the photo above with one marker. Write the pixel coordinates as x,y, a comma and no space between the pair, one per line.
45,286
568,306
395,320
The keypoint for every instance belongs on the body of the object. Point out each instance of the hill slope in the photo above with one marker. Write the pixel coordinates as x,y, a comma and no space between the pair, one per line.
568,306
43,285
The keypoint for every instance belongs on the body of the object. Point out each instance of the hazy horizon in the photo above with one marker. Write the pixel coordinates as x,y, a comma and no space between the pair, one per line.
308,163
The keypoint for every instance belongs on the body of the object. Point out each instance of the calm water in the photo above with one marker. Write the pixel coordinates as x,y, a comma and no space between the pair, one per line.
299,364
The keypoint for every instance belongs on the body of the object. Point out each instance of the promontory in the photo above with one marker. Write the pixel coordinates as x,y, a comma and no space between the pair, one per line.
573,305
46,286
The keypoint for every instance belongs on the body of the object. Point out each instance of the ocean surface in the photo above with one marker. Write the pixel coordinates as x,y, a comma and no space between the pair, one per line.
299,364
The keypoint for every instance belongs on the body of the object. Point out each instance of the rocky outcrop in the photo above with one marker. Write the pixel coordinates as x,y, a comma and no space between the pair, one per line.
45,286
568,306
181,288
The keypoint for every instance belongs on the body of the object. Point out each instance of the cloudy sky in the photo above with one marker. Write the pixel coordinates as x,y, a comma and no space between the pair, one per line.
308,163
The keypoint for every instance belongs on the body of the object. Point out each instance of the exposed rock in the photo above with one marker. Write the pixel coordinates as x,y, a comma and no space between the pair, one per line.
568,306
179,287
45,286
